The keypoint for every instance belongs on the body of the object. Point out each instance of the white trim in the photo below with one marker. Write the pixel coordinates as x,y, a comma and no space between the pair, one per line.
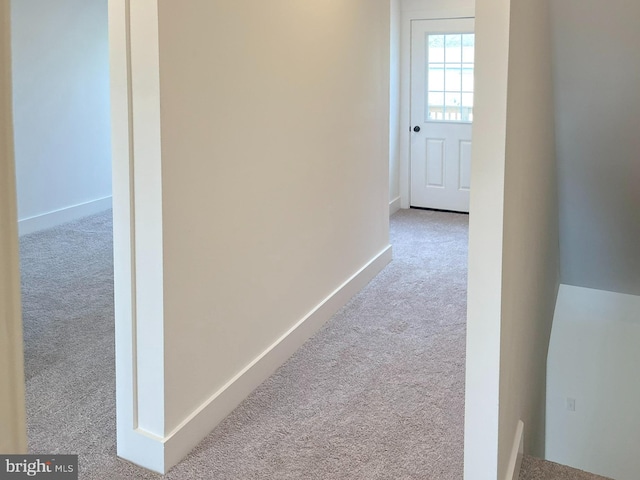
205,418
394,206
160,454
517,452
13,431
418,10
137,232
146,184
63,215
129,443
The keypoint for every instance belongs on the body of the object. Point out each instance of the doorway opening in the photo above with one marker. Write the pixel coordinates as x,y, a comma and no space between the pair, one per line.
430,172
62,137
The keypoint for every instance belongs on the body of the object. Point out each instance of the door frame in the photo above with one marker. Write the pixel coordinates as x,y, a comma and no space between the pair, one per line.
418,10
137,231
138,248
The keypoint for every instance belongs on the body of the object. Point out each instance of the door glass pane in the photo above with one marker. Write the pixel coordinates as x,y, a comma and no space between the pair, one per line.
467,77
468,48
453,48
453,79
436,98
453,99
436,105
436,48
452,104
467,107
436,77
450,77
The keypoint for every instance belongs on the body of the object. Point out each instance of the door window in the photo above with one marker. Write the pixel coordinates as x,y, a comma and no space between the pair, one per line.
450,77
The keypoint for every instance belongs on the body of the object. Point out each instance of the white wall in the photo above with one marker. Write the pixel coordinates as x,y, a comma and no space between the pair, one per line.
597,70
275,174
513,257
594,347
256,206
531,246
594,359
394,102
61,101
13,435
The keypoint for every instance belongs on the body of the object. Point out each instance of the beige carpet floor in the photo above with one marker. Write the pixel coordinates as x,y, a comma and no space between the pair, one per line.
536,469
378,393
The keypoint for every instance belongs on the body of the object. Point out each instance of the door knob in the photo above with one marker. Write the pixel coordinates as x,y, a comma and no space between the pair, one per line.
416,129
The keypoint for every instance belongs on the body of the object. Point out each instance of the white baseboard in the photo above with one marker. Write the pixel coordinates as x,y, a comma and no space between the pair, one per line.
63,215
517,451
394,206
204,419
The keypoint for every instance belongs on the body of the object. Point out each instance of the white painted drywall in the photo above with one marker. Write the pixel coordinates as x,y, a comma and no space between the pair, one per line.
61,102
275,174
597,73
13,434
531,264
394,101
594,359
485,241
513,251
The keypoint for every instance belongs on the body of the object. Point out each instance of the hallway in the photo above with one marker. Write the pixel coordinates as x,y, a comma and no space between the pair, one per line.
377,393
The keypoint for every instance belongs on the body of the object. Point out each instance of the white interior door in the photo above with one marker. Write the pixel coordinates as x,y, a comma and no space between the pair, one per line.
442,68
